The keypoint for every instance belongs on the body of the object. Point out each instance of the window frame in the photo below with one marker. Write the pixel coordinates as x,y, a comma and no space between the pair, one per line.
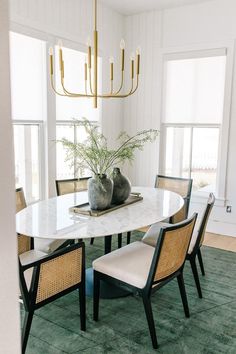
194,51
48,124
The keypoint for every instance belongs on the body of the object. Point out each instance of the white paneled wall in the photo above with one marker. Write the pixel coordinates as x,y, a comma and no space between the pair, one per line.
73,20
142,111
184,27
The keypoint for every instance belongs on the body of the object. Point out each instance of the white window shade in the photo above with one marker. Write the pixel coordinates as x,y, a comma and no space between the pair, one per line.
27,56
68,108
195,90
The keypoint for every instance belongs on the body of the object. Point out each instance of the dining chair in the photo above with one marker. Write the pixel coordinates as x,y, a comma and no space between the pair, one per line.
194,250
72,185
43,245
181,186
44,278
197,241
144,269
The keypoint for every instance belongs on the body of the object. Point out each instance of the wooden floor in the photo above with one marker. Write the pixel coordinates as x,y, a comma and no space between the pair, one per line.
219,241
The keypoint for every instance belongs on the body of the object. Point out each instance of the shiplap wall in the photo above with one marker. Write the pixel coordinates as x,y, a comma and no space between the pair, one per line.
182,27
141,111
73,20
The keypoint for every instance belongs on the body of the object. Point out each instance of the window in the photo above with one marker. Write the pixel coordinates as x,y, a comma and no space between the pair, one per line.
28,90
64,168
69,108
27,164
193,115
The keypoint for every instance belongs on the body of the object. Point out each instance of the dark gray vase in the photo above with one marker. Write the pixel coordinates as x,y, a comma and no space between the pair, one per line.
121,188
100,190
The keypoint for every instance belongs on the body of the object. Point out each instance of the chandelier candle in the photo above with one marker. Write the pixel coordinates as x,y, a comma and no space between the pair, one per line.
92,92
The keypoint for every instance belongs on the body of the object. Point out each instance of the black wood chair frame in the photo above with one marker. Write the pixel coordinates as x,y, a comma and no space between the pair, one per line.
148,290
29,296
196,252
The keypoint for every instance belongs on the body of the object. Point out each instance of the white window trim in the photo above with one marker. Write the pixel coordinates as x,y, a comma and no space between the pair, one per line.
40,124
48,127
172,52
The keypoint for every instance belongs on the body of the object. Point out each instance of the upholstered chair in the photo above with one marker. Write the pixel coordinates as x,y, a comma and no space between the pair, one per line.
144,269
181,186
44,278
73,185
43,245
65,186
152,235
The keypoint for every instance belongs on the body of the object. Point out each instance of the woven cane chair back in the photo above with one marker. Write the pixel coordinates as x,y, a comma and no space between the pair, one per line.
24,242
71,185
173,250
183,187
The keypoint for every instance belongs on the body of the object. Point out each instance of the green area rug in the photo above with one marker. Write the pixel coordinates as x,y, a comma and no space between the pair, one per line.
122,327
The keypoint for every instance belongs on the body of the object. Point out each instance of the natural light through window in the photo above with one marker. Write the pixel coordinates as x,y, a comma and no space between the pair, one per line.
193,114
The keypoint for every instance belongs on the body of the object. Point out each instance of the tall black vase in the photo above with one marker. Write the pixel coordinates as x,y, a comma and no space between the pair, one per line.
121,187
100,190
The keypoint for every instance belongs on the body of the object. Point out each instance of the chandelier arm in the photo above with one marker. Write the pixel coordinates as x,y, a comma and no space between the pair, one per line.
57,92
72,94
124,95
90,82
121,83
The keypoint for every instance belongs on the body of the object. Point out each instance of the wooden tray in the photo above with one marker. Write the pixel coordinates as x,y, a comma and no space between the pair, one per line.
84,209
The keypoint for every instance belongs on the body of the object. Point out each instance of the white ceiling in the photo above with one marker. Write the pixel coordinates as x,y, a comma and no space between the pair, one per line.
130,7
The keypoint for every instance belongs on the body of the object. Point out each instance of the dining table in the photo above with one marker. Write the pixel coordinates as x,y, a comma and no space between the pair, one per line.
52,218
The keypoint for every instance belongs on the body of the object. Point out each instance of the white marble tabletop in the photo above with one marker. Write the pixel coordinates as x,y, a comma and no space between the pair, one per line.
51,218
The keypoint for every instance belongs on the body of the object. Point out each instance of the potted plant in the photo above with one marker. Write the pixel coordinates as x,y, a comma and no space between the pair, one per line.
95,155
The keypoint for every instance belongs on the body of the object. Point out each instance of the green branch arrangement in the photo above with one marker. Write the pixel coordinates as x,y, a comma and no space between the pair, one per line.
94,152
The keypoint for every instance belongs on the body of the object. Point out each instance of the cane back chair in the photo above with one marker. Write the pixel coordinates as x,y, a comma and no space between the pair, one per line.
144,269
44,278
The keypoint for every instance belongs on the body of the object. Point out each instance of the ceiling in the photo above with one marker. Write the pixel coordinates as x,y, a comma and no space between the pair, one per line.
130,7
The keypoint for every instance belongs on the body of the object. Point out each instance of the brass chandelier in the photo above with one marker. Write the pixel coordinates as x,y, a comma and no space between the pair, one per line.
91,86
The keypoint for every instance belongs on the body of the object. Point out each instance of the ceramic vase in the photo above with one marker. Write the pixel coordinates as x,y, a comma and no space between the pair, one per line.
121,188
100,189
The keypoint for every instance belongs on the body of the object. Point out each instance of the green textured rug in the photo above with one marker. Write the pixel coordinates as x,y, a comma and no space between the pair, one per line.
122,327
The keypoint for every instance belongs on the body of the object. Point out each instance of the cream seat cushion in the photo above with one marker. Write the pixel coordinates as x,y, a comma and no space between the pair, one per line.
47,245
193,241
29,257
130,264
151,236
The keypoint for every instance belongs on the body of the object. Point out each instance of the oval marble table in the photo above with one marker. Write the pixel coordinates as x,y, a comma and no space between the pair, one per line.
51,219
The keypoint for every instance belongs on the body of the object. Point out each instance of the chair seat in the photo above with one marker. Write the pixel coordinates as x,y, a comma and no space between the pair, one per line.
130,264
151,236
47,245
193,241
29,257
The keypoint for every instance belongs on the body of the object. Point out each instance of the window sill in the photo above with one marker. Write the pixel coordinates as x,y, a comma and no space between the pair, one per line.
201,198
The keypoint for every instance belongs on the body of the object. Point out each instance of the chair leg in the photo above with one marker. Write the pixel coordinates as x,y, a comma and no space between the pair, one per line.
183,294
119,240
96,295
82,305
91,240
150,320
128,237
201,262
107,240
26,329
195,274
